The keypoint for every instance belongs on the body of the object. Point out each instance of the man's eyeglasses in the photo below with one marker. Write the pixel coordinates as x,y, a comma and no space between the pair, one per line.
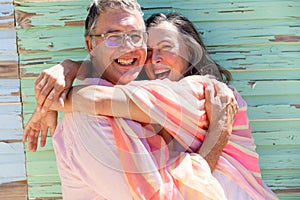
117,39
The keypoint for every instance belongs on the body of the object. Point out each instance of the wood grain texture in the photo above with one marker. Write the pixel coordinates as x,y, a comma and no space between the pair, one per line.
257,40
13,180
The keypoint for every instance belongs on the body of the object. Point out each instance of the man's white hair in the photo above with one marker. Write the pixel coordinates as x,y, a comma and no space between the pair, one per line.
100,6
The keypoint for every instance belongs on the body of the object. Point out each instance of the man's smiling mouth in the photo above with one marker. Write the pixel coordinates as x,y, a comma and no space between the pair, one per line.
126,62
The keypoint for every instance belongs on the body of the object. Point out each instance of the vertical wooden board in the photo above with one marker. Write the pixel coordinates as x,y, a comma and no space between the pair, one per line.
6,15
13,191
8,52
13,184
12,161
43,179
9,90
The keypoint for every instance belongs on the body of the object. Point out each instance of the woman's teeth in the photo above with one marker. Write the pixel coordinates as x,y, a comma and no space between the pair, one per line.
125,61
161,74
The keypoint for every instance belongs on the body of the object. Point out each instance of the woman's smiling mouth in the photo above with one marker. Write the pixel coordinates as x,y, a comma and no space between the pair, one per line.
162,73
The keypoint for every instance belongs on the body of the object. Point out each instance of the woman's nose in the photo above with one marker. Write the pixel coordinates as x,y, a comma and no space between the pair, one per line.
156,57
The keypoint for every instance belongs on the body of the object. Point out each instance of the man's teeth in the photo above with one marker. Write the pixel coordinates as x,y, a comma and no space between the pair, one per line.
125,61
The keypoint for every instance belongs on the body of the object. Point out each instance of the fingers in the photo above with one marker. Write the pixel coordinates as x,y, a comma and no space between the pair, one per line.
232,108
26,133
44,130
53,96
209,91
33,140
52,130
45,92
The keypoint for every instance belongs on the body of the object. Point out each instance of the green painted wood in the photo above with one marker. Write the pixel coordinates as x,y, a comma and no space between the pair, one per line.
258,41
277,138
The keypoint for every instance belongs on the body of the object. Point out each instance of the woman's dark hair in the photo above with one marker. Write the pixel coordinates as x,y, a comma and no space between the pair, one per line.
200,61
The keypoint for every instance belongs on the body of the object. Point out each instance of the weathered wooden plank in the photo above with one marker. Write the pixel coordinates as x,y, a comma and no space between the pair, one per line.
51,14
260,74
275,156
39,39
277,138
14,168
8,54
7,37
288,196
10,122
45,192
282,178
268,56
273,112
13,191
9,90
246,10
275,126
267,87
273,100
6,15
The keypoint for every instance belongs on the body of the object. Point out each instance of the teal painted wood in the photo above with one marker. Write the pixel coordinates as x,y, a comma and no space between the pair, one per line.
258,41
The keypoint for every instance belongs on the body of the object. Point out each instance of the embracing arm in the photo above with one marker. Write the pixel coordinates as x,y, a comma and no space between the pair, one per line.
221,111
112,101
101,100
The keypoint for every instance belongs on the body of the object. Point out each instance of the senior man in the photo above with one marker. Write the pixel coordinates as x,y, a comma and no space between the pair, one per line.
88,164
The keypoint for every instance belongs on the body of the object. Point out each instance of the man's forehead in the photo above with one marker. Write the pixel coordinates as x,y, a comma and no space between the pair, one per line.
113,20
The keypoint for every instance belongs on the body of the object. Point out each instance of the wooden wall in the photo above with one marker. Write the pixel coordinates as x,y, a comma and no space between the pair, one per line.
13,184
257,40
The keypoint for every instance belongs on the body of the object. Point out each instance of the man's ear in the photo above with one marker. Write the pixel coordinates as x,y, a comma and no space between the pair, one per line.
90,44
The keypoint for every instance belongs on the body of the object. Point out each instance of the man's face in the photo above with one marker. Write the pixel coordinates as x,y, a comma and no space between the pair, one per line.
119,65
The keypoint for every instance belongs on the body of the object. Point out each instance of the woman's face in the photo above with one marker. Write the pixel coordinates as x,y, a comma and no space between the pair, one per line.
167,53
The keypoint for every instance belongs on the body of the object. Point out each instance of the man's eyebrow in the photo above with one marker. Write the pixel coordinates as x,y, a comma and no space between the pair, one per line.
114,31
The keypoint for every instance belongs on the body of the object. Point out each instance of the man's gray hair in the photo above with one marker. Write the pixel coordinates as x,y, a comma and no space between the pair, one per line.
100,6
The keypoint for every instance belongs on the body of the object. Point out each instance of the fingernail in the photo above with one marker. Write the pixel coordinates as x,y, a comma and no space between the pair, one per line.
43,111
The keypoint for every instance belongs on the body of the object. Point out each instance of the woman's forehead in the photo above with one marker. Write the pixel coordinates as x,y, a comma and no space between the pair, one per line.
163,31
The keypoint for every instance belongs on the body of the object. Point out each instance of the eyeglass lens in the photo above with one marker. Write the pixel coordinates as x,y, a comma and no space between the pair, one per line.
117,39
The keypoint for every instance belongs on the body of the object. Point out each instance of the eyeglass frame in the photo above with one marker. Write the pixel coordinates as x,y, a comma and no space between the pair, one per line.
144,37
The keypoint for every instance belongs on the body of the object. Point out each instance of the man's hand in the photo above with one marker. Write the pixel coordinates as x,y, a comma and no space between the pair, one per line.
53,83
39,124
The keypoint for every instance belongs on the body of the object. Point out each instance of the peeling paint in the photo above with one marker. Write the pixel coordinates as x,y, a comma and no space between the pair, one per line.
235,59
24,19
285,38
9,69
75,23
15,94
296,105
231,11
252,84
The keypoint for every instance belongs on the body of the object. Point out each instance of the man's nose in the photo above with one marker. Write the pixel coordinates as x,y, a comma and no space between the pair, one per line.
127,42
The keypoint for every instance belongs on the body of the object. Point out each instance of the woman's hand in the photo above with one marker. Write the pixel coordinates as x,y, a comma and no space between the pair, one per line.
53,84
221,108
39,124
